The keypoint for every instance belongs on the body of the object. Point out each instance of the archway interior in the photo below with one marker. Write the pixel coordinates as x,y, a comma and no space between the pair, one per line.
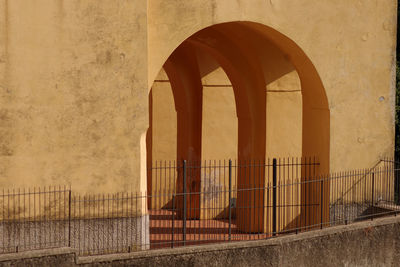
280,104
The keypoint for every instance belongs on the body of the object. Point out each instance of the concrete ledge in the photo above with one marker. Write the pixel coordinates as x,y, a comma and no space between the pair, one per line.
36,254
48,257
277,242
369,243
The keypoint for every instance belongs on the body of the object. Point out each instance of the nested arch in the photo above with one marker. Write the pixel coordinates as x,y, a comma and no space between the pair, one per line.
254,57
258,38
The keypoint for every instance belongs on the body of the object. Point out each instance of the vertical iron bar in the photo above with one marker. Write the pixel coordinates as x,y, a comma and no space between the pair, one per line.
115,218
173,220
19,217
29,216
184,202
230,199
297,195
79,225
306,178
24,218
3,199
321,201
274,197
372,200
69,218
40,220
397,182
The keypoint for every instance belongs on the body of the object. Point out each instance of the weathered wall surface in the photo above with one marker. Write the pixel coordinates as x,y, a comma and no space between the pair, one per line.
284,117
75,77
220,123
73,93
351,44
164,124
368,243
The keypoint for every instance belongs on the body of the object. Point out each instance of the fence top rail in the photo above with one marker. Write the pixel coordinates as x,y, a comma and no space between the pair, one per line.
123,195
26,192
100,198
284,162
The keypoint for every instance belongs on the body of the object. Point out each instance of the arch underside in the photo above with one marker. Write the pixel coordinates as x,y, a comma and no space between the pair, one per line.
259,62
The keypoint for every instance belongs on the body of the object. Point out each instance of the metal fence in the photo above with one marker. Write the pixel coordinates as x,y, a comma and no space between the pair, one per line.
55,217
192,203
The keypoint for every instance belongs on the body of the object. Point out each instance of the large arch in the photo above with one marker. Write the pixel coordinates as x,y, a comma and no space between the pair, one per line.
252,55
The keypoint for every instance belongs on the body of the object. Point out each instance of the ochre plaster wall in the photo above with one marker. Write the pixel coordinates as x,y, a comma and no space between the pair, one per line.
219,138
320,69
164,121
283,140
284,117
350,43
75,78
220,125
73,94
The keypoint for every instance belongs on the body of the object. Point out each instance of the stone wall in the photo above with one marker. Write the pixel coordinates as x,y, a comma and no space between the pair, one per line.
87,236
371,243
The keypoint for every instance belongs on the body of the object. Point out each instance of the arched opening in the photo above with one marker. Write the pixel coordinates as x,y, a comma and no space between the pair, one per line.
280,104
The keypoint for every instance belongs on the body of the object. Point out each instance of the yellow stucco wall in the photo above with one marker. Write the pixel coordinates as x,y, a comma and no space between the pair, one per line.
73,97
219,140
284,117
164,126
220,126
351,44
75,77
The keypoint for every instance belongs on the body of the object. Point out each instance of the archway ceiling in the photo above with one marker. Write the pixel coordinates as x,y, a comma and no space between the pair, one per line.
262,55
271,48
